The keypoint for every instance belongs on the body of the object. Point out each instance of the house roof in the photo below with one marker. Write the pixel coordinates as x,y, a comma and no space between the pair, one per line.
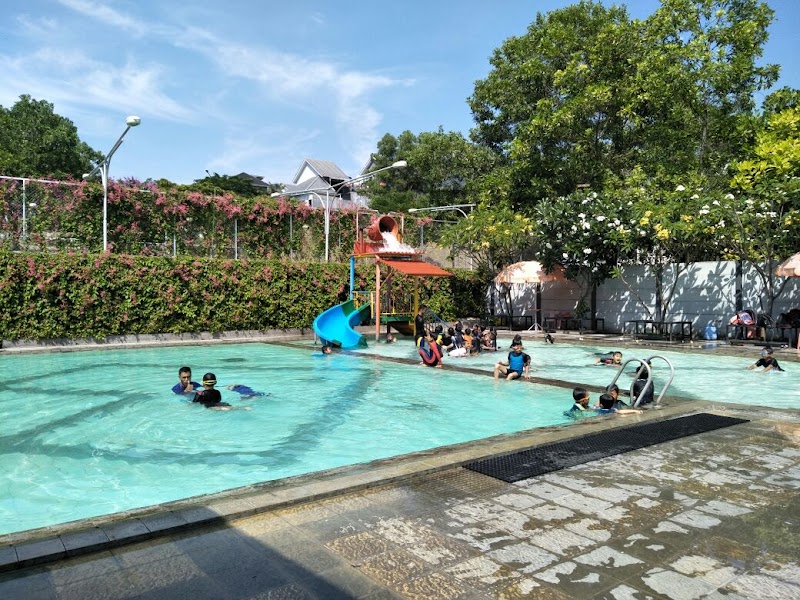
315,183
254,180
322,168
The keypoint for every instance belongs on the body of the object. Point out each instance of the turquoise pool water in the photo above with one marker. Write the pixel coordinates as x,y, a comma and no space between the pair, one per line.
97,432
701,375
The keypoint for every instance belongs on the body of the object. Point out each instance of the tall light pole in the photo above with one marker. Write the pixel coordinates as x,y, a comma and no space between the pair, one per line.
102,168
400,164
457,207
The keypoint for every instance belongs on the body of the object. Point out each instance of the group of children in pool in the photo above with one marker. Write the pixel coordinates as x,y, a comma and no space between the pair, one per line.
433,342
207,394
609,403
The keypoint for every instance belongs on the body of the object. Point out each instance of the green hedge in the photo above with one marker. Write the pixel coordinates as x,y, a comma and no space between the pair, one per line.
46,296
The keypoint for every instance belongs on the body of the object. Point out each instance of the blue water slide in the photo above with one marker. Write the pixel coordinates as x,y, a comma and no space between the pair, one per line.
336,324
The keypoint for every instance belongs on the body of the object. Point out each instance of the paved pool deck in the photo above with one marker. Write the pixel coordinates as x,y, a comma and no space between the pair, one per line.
714,515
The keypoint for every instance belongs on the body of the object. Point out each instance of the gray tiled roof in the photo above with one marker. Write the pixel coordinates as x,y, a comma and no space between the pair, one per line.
323,168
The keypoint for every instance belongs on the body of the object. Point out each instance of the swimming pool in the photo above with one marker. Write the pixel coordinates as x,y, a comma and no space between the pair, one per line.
699,375
95,432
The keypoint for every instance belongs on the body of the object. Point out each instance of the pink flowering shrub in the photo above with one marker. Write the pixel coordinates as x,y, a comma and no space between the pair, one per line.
63,295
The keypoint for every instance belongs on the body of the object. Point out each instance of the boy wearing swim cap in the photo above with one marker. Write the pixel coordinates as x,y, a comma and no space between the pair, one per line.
767,361
211,398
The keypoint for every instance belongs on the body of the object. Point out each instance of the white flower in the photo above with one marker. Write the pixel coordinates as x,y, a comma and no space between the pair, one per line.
564,255
728,196
585,201
695,197
749,202
600,218
573,229
716,202
703,211
587,251
549,246
593,195
581,216
587,225
680,188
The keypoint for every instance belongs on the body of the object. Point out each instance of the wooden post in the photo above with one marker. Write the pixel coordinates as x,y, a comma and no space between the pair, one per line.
377,300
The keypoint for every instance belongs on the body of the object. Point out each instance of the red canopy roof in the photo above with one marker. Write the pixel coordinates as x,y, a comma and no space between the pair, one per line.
416,267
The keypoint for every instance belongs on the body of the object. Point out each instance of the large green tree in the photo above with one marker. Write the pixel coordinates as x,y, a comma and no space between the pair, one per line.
36,142
696,81
557,103
760,221
441,166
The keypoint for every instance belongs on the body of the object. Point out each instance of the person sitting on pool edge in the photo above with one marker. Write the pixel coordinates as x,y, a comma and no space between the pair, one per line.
767,361
515,366
185,384
390,339
615,358
211,398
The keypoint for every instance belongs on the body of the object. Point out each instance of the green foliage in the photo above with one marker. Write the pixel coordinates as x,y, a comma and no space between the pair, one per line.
36,142
217,184
585,232
71,296
589,96
492,236
440,166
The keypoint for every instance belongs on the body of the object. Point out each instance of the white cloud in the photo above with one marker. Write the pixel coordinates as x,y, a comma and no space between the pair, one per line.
316,85
106,14
71,78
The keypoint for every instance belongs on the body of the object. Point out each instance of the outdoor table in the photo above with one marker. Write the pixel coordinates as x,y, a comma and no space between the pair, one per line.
662,328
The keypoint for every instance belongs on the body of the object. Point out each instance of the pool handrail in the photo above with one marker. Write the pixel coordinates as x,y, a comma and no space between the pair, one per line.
657,401
621,370
649,383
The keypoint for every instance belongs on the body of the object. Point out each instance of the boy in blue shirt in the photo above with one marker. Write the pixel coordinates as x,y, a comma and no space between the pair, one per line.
517,365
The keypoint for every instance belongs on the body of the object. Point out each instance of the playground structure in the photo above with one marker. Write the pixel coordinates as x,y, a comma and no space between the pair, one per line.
385,305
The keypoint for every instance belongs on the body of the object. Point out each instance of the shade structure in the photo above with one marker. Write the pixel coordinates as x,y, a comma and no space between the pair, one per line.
417,268
790,267
530,271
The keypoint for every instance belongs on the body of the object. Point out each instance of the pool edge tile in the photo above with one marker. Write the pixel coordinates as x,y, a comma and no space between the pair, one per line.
40,551
8,558
82,542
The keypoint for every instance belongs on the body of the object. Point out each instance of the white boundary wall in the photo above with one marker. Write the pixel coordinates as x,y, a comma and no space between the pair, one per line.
706,292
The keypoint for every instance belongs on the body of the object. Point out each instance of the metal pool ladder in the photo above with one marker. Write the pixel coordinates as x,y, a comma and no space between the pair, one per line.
649,384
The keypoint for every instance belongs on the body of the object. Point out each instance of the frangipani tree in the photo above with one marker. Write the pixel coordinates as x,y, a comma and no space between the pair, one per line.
585,232
663,230
760,220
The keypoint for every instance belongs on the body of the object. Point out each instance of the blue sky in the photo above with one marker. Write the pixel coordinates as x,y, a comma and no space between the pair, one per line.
243,85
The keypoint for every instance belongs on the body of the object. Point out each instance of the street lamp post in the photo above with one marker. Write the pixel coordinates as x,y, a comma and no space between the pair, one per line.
400,164
102,168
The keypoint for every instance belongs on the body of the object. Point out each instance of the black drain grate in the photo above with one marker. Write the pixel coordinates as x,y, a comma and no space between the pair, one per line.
560,455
